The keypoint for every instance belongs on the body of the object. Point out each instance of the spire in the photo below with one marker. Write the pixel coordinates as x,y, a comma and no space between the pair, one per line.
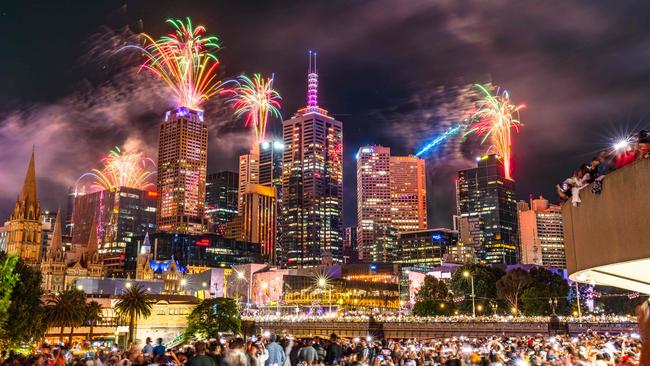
29,187
57,236
312,81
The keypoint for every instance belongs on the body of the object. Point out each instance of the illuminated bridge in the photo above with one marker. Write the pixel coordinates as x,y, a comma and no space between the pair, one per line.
425,329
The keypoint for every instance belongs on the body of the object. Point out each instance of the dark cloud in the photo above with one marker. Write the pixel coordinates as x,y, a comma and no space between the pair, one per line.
391,70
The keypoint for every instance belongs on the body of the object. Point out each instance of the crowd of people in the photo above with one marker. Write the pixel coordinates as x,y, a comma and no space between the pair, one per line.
621,154
285,350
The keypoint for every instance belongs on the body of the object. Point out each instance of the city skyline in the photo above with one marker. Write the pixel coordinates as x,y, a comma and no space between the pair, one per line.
390,111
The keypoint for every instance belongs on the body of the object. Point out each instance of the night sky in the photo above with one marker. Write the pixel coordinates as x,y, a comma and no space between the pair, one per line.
395,72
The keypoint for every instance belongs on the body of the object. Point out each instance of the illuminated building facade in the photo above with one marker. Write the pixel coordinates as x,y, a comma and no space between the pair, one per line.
48,218
350,253
221,191
182,162
117,217
312,184
271,176
487,200
391,196
373,199
270,163
259,217
424,248
24,231
204,250
408,192
249,172
541,236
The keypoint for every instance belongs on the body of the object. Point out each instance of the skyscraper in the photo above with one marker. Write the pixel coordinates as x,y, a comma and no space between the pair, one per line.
116,217
221,192
487,199
25,227
541,233
408,193
182,161
391,195
270,163
249,172
373,197
312,183
259,218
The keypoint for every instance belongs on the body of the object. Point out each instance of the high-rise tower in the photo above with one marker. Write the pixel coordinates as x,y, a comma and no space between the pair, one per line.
486,198
312,183
373,199
541,236
391,196
25,227
182,164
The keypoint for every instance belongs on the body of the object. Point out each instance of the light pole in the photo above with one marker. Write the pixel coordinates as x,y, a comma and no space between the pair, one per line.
494,307
467,274
322,283
578,299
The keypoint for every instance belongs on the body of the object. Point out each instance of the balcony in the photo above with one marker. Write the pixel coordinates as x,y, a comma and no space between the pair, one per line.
607,237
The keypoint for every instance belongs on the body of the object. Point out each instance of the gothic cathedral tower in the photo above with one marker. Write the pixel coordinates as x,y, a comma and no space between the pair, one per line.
25,228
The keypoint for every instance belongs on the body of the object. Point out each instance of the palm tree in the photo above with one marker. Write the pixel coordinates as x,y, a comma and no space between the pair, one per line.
67,309
93,315
133,304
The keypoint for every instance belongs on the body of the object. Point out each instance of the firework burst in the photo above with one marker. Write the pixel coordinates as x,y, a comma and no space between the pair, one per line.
185,61
255,98
494,118
120,170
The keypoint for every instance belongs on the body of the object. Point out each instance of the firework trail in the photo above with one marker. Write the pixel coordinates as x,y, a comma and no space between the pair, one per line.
255,98
495,116
120,170
438,140
185,61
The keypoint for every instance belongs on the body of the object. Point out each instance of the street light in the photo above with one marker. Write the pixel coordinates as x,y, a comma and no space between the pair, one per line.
479,307
467,274
322,283
127,285
494,307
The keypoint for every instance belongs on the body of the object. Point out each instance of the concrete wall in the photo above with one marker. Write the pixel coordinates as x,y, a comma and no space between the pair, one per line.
611,228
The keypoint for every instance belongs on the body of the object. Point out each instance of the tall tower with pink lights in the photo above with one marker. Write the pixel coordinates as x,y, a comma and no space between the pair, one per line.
312,183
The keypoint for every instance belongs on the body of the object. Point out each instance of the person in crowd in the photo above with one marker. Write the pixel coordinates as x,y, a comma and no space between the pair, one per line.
334,353
236,355
148,347
200,357
160,349
307,353
276,357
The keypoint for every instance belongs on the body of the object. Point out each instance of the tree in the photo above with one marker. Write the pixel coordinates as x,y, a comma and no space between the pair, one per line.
26,310
616,301
545,285
485,279
213,316
93,315
433,298
67,309
134,304
511,285
8,279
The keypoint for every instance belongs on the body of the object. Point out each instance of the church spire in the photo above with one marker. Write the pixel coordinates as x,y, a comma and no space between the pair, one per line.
57,235
28,194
